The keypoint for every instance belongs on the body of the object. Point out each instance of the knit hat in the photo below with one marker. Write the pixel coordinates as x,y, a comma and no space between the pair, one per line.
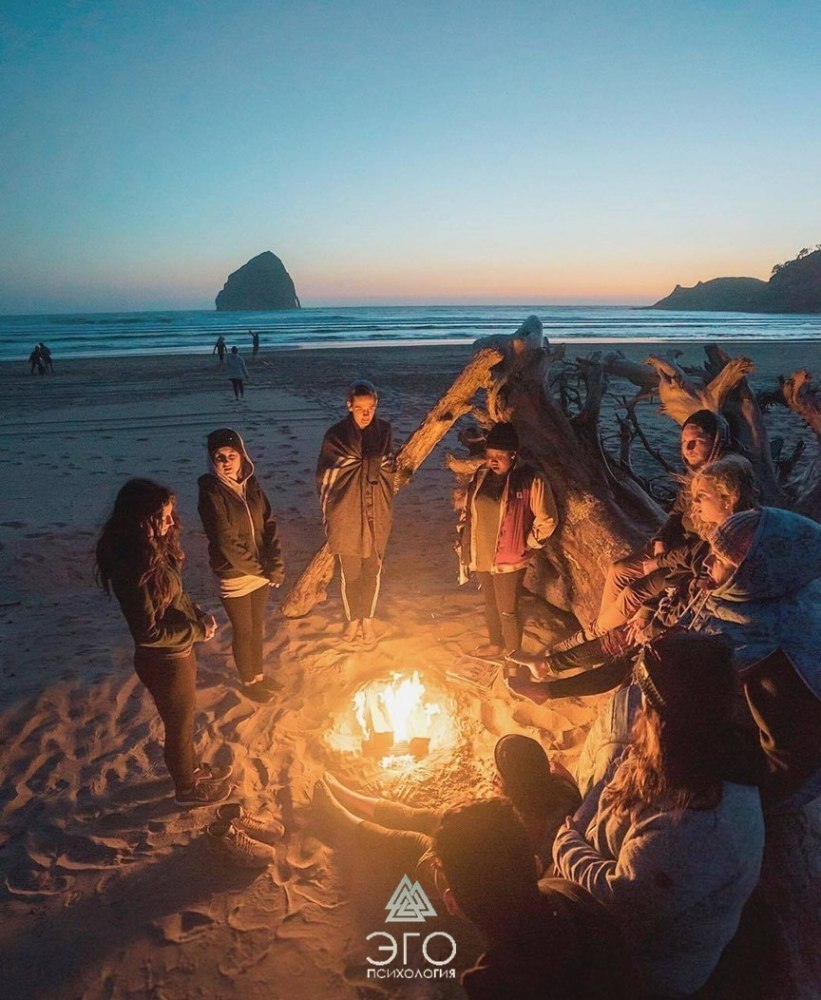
688,678
503,437
224,437
731,540
522,764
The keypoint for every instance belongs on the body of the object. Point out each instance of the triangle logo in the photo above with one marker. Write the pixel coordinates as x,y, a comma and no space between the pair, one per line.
409,904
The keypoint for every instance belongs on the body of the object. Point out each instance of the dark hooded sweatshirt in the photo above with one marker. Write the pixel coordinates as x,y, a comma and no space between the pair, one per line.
354,477
240,526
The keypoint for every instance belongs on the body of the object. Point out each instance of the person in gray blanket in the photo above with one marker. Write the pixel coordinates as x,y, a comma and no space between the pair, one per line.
354,477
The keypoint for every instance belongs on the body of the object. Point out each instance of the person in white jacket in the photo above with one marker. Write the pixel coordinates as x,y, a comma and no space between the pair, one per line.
237,373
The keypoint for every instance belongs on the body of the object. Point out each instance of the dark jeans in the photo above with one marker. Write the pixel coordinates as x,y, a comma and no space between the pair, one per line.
172,685
360,585
501,592
239,388
247,616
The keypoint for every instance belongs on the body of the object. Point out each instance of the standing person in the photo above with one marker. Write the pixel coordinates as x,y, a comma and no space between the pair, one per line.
237,373
672,844
254,343
509,512
36,361
45,354
244,552
219,349
354,478
139,557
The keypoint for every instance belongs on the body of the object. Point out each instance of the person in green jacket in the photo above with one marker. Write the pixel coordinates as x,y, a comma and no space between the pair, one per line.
139,558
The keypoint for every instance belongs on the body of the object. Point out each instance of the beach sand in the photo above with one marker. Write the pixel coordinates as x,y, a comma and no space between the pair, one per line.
107,889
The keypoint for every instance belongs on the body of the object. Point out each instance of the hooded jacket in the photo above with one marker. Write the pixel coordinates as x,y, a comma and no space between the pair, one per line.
527,518
771,608
240,526
354,478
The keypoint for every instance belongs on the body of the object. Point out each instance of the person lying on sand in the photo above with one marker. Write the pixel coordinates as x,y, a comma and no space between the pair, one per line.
543,794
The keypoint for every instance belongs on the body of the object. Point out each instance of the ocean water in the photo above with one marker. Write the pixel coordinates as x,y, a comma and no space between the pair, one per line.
84,335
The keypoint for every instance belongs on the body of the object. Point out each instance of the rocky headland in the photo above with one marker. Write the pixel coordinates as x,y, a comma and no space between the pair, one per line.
261,284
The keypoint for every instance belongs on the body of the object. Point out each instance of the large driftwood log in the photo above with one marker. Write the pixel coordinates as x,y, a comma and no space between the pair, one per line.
311,587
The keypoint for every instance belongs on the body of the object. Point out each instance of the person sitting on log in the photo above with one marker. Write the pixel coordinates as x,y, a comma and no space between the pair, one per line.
672,843
719,490
509,512
641,576
542,791
354,478
545,939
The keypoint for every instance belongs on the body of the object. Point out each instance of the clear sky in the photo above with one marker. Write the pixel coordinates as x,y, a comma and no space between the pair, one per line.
402,151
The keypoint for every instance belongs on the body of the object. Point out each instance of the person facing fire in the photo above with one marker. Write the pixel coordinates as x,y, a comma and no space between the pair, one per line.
509,512
354,477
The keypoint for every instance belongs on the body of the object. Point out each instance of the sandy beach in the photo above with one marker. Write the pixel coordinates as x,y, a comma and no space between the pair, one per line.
107,889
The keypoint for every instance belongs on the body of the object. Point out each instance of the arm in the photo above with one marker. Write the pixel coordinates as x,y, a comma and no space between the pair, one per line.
233,551
147,629
545,515
272,551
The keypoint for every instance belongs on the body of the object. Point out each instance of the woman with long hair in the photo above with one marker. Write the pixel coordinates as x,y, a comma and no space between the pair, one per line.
244,552
139,558
673,842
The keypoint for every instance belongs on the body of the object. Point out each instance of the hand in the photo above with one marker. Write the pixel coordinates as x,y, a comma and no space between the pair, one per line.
533,691
277,577
639,633
659,548
210,625
649,566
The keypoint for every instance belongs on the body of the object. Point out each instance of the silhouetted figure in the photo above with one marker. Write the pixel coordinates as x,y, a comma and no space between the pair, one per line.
36,361
254,343
219,349
45,354
237,373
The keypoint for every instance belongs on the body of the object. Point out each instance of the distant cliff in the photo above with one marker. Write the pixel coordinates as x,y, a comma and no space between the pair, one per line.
261,284
795,287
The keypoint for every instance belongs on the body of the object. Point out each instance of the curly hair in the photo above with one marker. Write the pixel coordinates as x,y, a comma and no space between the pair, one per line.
734,479
132,545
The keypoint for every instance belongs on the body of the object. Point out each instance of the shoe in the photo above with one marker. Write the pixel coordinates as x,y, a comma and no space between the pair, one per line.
487,649
203,793
212,772
258,692
234,844
351,631
368,632
272,684
262,828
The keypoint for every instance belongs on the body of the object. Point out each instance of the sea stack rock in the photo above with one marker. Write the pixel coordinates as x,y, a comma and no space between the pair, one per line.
261,284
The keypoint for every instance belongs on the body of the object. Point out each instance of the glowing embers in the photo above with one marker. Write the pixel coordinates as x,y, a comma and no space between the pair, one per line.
398,720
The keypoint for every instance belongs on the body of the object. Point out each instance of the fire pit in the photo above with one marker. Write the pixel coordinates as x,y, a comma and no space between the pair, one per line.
396,719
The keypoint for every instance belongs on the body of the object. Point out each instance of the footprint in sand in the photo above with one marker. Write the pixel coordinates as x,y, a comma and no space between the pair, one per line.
178,928
36,883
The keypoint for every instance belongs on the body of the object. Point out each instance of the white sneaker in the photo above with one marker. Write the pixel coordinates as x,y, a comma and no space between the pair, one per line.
234,844
263,828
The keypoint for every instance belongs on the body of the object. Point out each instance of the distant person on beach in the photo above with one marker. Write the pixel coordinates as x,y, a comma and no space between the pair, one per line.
237,373
219,349
254,342
36,361
140,558
244,552
45,354
354,477
509,512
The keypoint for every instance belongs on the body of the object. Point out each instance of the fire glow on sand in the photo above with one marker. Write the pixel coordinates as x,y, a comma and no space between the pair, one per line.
397,719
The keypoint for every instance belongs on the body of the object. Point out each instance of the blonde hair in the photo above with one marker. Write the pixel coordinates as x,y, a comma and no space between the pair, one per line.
734,479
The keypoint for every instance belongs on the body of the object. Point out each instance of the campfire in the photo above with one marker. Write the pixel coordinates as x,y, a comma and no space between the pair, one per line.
398,719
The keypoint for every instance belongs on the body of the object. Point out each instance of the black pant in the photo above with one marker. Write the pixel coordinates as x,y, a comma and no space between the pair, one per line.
239,389
501,592
172,685
247,615
360,585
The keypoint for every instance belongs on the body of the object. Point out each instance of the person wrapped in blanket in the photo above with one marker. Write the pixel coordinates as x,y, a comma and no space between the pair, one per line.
355,481
720,489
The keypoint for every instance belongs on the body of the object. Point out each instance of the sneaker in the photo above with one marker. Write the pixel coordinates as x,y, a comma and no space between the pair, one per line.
262,828
234,844
487,649
351,633
212,772
258,692
203,793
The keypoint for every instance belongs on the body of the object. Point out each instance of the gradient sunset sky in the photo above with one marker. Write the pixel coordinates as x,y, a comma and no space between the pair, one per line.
519,152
